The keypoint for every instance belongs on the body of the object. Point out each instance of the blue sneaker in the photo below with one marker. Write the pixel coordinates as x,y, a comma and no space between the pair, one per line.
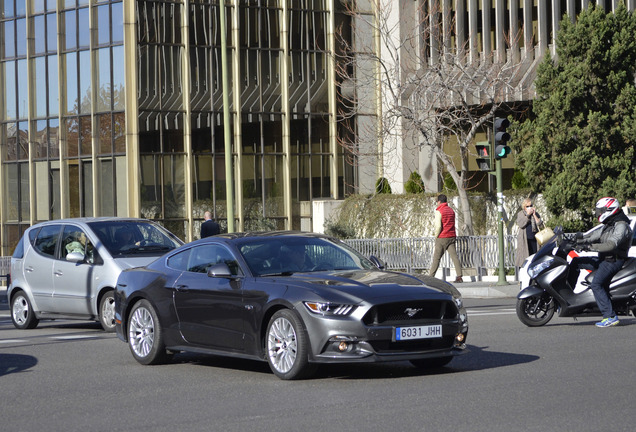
608,322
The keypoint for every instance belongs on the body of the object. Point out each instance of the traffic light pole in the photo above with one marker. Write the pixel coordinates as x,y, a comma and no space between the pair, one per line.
500,228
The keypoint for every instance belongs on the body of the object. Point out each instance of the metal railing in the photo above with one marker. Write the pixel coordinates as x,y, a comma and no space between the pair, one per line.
480,253
5,268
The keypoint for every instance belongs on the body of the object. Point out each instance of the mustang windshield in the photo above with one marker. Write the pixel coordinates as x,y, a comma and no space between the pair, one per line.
275,256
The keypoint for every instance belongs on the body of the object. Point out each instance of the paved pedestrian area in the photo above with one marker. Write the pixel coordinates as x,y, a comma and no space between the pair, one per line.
469,289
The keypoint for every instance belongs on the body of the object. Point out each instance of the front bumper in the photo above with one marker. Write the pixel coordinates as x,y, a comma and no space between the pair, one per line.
350,340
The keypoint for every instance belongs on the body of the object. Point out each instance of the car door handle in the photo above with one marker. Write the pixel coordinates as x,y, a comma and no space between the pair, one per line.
58,273
181,288
29,269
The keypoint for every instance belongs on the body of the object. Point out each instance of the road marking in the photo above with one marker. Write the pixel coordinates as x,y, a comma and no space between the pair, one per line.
487,312
74,337
11,341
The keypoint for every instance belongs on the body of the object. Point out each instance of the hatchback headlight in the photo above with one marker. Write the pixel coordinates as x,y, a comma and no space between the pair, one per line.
537,269
329,309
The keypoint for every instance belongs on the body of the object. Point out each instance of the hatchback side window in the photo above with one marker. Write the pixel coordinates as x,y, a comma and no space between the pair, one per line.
46,241
18,253
33,235
74,239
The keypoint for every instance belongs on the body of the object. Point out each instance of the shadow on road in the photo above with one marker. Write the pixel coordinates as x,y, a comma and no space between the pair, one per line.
14,363
479,358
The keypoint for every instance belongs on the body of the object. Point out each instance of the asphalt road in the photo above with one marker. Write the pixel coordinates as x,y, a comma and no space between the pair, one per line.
566,376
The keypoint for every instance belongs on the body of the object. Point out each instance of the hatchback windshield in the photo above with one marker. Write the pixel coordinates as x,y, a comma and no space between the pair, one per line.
273,256
130,237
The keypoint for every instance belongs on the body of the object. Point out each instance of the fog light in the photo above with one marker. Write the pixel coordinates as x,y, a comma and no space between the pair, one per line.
342,346
460,337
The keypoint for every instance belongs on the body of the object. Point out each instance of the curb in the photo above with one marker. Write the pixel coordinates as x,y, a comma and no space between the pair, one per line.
482,291
468,289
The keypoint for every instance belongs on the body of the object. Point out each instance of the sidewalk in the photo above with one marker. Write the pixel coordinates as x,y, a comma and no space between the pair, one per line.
486,288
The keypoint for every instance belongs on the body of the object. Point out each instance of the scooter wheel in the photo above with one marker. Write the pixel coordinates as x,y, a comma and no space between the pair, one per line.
535,311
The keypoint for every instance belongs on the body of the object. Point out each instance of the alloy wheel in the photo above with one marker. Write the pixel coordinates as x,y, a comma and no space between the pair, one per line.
282,345
141,332
20,310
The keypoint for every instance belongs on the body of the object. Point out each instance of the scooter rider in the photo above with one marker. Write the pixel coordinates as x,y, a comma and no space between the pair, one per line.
612,243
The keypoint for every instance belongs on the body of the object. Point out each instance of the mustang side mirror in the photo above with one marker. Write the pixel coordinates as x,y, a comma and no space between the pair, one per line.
219,270
377,262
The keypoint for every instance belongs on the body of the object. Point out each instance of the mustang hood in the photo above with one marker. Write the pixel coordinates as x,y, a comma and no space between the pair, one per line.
369,285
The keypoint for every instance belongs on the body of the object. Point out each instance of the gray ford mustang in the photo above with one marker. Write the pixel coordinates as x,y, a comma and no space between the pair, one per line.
292,299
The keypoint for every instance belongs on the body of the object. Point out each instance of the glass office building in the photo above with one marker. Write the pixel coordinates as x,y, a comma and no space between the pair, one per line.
115,108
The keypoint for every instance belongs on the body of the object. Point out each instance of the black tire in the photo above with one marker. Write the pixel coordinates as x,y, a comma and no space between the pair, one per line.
432,363
22,313
107,311
145,336
287,346
536,311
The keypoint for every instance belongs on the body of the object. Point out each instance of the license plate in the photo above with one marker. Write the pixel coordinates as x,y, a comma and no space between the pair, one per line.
418,332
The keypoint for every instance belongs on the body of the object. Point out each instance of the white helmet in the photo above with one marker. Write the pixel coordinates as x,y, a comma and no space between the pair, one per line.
606,207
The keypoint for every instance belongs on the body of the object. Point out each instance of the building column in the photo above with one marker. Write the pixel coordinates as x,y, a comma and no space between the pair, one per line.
133,176
187,122
287,193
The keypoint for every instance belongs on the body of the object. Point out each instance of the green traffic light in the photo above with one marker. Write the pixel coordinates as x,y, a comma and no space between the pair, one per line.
501,151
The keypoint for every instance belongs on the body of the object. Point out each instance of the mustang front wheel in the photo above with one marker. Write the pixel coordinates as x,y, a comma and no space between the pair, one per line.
288,346
535,311
145,336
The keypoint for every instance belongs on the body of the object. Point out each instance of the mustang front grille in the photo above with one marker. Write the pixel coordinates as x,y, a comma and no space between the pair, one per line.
410,311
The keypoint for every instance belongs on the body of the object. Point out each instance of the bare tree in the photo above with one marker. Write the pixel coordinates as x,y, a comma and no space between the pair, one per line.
435,89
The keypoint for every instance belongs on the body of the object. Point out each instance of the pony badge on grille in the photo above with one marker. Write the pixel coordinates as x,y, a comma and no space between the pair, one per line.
412,311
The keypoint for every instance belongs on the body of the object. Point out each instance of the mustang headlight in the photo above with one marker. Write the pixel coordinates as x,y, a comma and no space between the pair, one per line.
329,309
458,302
537,269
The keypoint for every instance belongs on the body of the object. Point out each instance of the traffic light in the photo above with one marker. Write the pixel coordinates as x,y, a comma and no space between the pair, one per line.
484,157
501,138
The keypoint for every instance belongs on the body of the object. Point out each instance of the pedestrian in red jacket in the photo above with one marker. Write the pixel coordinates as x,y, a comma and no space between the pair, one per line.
445,237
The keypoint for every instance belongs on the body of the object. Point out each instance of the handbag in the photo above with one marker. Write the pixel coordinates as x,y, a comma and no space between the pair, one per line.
544,235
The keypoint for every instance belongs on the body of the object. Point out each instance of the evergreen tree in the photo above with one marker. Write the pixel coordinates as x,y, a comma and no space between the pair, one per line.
579,145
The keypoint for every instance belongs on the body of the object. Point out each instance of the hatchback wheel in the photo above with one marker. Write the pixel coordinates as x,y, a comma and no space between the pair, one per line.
145,336
107,311
288,346
22,313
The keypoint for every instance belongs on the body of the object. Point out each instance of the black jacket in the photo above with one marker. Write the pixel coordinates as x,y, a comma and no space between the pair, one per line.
614,239
209,228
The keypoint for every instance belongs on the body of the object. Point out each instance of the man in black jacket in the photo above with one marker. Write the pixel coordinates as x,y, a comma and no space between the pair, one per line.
209,227
612,243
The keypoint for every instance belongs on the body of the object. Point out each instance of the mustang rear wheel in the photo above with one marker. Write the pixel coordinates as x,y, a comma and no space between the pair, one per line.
107,311
535,311
22,313
287,346
145,336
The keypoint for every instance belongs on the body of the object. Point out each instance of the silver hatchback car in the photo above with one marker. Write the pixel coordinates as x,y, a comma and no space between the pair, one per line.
68,268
